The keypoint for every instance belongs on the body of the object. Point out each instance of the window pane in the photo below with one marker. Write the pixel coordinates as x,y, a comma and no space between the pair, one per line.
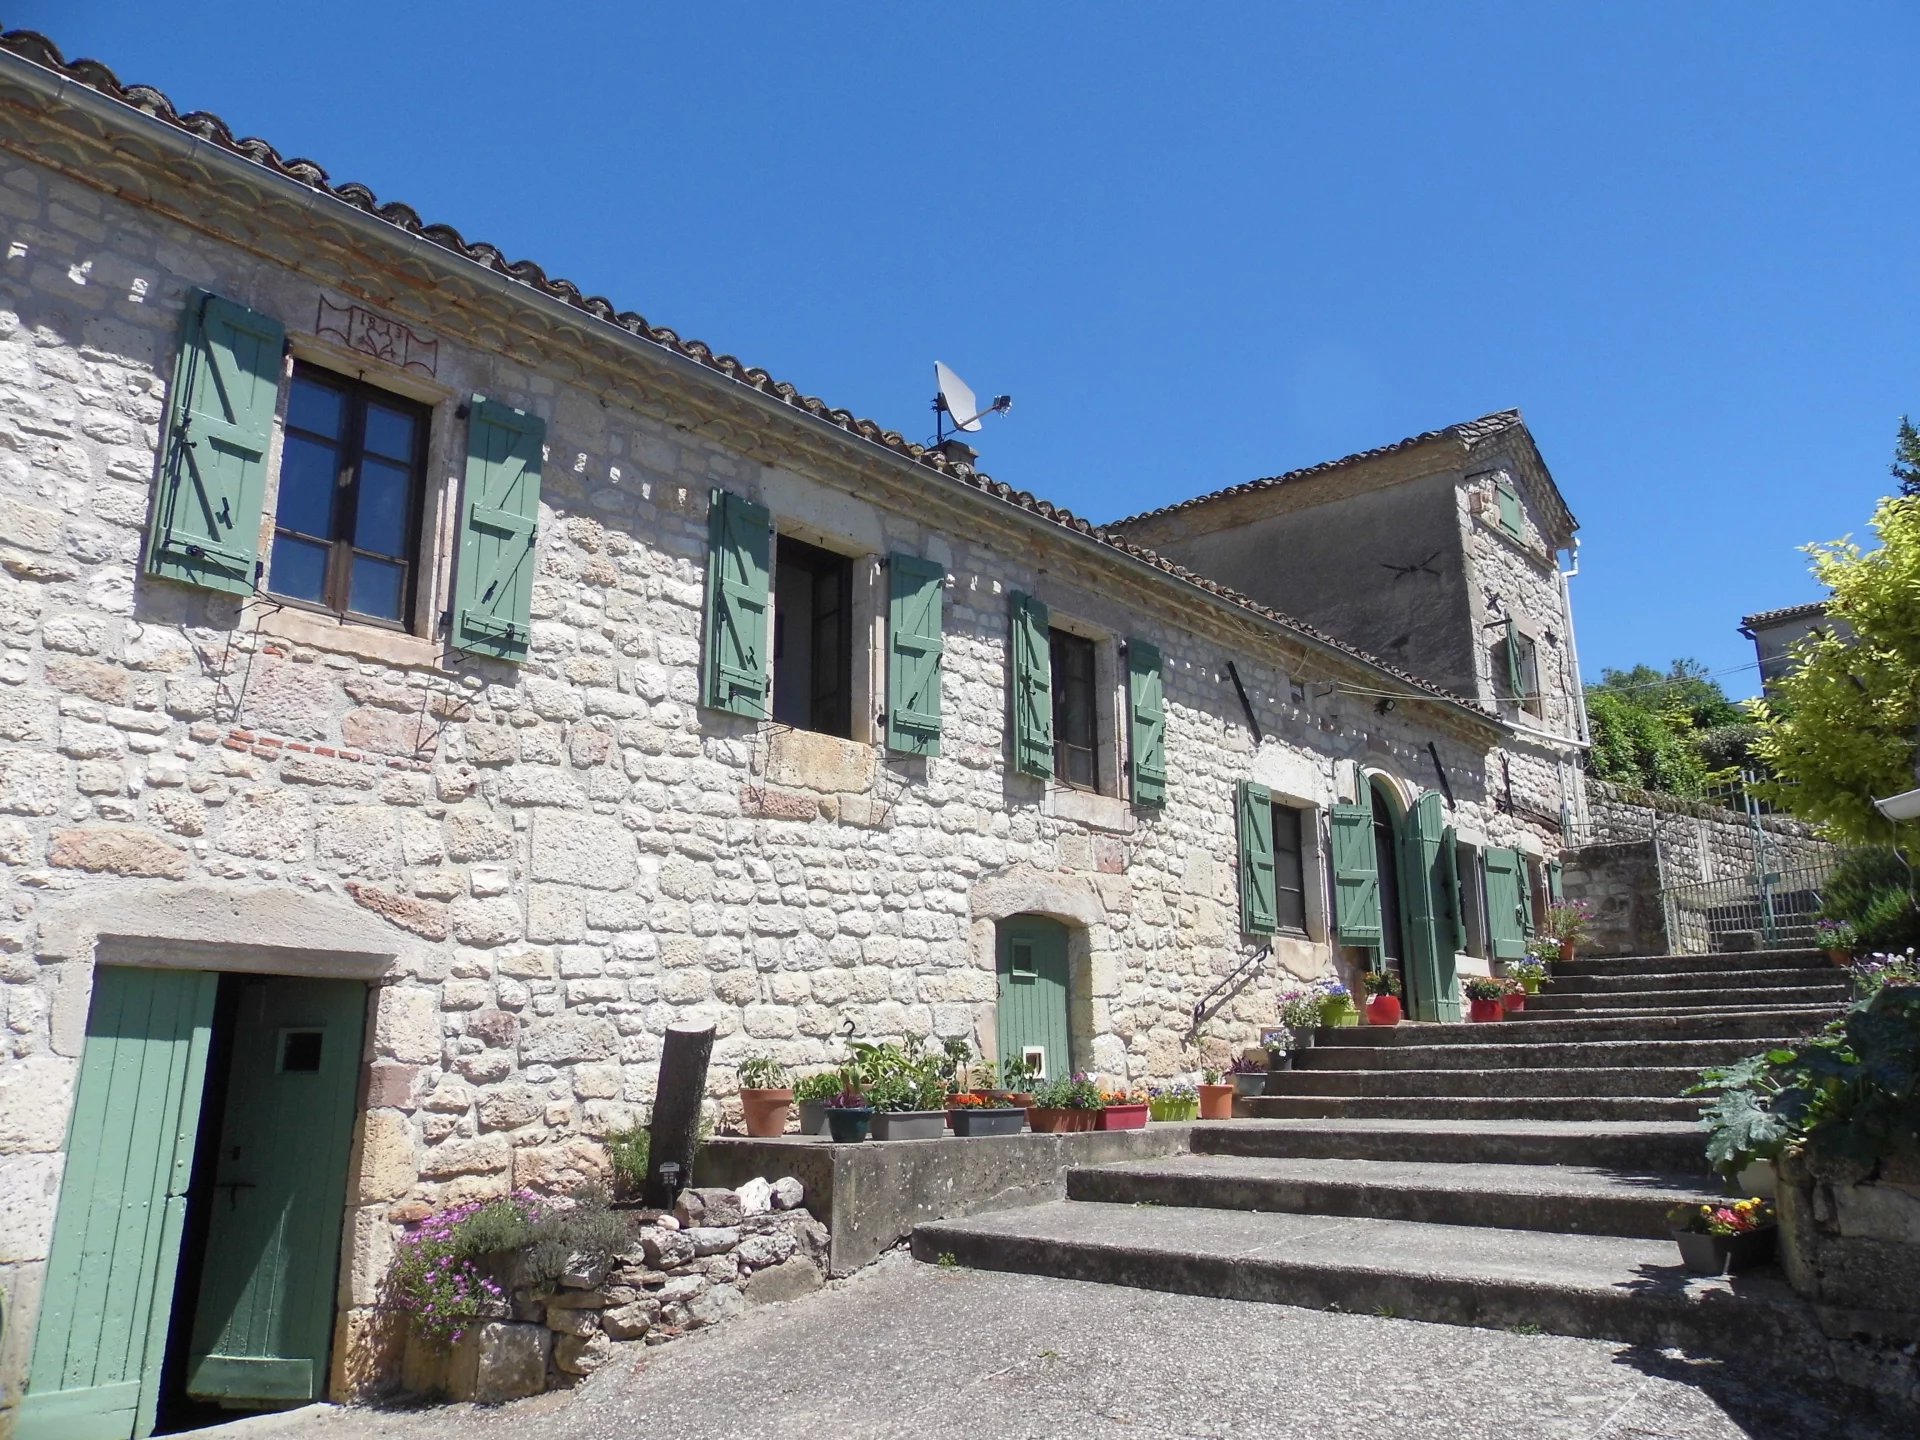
382,522
308,478
318,408
299,568
376,587
390,433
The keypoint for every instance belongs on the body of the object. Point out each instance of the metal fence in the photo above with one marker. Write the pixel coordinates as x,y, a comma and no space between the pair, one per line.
1777,905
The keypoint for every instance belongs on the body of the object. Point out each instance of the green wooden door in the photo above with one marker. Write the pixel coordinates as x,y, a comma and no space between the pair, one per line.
1509,918
123,1202
1033,992
1430,928
265,1314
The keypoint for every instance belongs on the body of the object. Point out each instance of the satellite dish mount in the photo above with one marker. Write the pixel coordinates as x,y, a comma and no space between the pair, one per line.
953,404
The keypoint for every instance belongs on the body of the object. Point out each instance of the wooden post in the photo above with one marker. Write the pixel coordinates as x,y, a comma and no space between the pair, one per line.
675,1131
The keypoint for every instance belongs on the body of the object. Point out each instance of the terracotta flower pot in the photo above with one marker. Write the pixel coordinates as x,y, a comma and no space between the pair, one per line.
1514,1000
1566,950
1122,1117
1047,1121
1383,1010
1483,1010
1839,959
1216,1102
766,1111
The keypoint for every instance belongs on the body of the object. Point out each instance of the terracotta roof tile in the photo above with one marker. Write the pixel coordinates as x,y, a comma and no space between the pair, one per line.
1789,612
1469,432
38,50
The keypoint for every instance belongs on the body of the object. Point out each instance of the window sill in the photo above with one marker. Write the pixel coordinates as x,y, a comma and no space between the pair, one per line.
1099,812
347,637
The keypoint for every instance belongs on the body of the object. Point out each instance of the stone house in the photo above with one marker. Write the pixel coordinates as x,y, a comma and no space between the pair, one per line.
1775,633
1440,553
425,682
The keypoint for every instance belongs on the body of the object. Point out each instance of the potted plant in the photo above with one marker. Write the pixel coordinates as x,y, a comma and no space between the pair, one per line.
1837,938
907,1089
849,1116
1336,1004
812,1094
1249,1076
1483,997
984,1112
1070,1103
1530,972
1513,995
1570,923
1179,1101
1216,1096
1300,1014
1383,996
1012,1078
1720,1239
1278,1043
1123,1110
766,1096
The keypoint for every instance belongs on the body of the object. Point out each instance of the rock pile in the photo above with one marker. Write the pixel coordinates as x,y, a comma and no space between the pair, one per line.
716,1253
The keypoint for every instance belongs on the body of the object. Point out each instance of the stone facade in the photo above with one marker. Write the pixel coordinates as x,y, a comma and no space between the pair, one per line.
537,868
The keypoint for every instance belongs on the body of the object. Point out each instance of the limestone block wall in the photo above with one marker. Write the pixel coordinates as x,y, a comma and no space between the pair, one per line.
1701,841
540,867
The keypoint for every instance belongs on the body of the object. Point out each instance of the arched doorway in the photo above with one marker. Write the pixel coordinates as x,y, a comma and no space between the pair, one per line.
1387,844
1031,965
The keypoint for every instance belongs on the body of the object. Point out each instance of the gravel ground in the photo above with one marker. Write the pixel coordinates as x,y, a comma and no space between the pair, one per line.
907,1350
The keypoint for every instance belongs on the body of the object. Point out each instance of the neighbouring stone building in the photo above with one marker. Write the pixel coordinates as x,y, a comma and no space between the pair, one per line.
1775,633
424,683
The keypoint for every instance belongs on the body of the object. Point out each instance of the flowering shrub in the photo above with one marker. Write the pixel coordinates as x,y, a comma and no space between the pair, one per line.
1570,922
1872,972
1834,935
980,1100
1122,1097
1743,1217
1071,1092
1179,1101
437,1274
1481,987
1300,1007
1529,969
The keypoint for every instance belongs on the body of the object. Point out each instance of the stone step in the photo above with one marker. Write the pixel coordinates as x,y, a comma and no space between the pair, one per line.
1663,1146
1599,1286
1661,1082
1476,1107
1515,1052
1541,1026
1699,998
1667,964
1656,1012
1570,1199
1824,978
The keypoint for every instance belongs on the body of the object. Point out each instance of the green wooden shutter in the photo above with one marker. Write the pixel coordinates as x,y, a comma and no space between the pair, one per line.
500,514
1516,683
1506,912
1146,703
1429,957
1032,688
1456,893
1356,876
1556,889
1259,900
1509,502
102,1332
206,517
739,565
916,590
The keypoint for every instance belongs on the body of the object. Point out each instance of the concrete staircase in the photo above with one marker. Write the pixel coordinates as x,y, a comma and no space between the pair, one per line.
1512,1174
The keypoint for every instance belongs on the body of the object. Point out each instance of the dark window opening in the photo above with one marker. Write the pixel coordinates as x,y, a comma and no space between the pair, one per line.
300,1050
1527,657
1289,869
346,530
1076,726
813,638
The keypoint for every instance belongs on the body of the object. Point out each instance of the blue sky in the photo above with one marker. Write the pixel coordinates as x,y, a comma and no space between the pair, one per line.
1197,244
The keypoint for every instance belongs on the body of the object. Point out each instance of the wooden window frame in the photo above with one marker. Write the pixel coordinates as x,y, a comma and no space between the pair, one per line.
351,445
1060,641
1290,876
830,709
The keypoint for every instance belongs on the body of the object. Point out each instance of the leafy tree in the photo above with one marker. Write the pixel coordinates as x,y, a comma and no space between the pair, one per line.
1841,728
1673,730
1906,458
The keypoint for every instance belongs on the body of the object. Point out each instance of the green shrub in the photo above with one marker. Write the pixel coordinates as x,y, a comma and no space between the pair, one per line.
823,1086
630,1149
1871,890
588,1228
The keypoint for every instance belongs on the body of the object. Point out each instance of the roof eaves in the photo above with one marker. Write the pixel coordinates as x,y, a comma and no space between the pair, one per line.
35,49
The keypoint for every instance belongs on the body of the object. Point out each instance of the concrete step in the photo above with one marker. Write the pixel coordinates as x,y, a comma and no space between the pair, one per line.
1656,1012
1599,1286
1516,1053
1567,1199
1824,978
1675,1147
1699,998
1477,1107
1660,1082
1666,964
1765,1022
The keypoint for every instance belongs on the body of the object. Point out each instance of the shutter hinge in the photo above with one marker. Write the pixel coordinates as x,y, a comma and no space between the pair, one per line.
463,411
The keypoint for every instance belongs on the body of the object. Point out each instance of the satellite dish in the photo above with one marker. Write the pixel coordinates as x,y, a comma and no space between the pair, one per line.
954,401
